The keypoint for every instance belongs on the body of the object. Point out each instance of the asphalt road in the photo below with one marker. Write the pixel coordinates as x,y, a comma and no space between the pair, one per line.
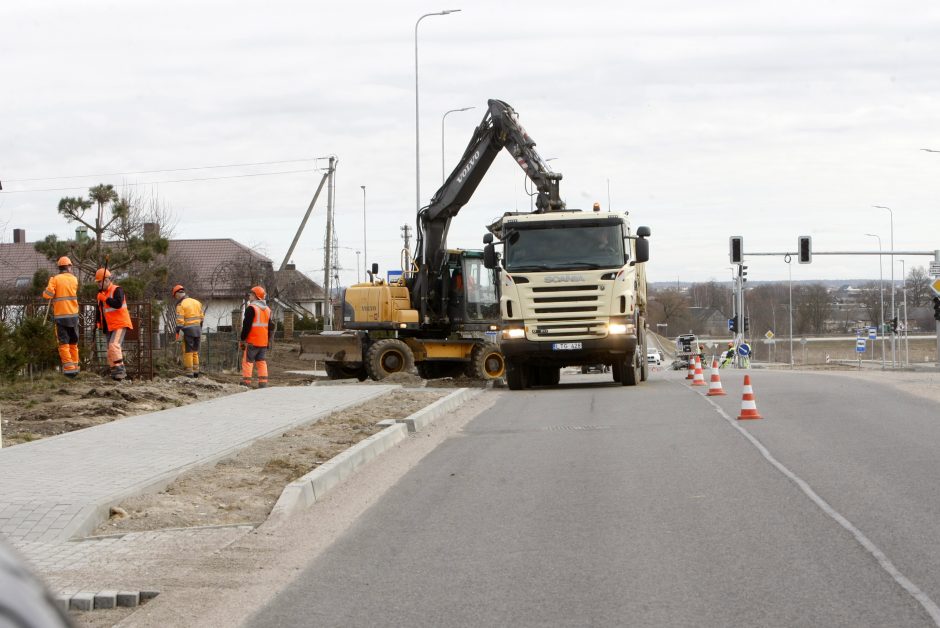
592,504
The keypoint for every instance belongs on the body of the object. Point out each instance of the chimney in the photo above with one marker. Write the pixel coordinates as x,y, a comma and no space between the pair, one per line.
151,230
81,234
290,267
19,236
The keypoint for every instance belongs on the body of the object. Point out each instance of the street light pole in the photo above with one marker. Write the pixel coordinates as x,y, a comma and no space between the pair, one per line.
443,171
417,120
365,245
881,289
358,275
907,347
893,313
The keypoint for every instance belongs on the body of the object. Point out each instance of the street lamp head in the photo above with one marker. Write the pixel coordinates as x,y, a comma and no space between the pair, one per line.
448,11
881,207
363,187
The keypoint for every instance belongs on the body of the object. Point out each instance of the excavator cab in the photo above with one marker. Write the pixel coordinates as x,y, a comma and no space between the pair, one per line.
472,295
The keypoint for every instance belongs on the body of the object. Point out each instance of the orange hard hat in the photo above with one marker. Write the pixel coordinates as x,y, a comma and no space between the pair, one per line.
259,292
64,261
102,273
176,289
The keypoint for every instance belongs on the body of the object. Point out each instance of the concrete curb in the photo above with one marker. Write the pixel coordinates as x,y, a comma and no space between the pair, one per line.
307,490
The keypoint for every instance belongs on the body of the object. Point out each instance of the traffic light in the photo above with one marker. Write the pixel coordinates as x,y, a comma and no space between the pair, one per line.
737,249
893,325
936,308
742,272
747,323
733,324
805,248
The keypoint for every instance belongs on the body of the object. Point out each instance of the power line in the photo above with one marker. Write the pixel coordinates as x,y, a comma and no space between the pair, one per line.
233,176
120,174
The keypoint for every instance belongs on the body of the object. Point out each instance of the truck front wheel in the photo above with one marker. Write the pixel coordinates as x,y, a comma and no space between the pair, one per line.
516,375
388,356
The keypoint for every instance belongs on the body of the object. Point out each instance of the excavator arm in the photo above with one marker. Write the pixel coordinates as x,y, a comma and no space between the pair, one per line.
499,129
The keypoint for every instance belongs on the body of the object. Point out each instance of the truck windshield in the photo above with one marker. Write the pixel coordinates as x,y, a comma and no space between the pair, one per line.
571,247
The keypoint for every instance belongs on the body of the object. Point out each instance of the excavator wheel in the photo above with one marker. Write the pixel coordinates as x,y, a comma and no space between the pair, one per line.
486,362
338,370
388,356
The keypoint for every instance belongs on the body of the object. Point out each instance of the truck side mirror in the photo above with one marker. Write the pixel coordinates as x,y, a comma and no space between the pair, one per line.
642,249
487,238
489,255
643,232
375,271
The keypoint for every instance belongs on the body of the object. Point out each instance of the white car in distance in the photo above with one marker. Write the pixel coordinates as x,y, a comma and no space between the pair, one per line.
653,356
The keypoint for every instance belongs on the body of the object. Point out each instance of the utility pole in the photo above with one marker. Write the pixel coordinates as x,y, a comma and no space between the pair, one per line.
328,250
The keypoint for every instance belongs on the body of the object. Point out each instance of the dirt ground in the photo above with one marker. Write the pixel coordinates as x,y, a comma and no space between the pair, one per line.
244,488
51,404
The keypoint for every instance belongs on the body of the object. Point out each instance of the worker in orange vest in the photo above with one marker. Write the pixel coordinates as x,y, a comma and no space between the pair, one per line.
113,319
189,316
62,293
254,337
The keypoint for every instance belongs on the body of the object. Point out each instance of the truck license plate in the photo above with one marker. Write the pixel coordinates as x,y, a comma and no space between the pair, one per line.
565,346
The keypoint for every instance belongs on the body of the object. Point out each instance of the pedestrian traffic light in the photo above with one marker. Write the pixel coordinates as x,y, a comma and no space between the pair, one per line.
737,249
805,249
936,308
733,324
747,323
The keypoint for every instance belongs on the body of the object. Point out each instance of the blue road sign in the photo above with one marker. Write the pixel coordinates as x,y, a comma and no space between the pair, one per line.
730,323
392,275
860,345
744,349
872,333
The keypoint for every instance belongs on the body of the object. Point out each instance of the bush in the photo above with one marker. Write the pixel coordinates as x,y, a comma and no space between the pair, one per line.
35,339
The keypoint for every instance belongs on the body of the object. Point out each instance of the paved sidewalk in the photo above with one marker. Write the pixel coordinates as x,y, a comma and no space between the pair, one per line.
55,489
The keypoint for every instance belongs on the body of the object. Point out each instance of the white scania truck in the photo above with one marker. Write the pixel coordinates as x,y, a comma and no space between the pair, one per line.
573,292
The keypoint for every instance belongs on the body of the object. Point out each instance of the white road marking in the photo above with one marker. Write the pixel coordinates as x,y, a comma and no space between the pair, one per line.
922,598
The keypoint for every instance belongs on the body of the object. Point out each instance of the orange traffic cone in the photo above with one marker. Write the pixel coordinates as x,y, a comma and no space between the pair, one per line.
699,378
714,386
691,372
748,406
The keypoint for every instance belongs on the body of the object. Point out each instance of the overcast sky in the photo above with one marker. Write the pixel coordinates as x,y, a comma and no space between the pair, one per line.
766,120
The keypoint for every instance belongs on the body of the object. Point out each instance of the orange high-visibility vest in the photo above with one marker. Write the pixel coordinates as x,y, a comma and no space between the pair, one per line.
116,318
258,336
63,290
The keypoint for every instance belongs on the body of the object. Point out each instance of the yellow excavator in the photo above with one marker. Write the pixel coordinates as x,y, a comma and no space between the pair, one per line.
442,316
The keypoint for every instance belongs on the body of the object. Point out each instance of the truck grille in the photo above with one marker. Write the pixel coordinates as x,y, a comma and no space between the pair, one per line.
563,312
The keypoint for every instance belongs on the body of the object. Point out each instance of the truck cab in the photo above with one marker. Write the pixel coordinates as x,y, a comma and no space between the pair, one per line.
573,293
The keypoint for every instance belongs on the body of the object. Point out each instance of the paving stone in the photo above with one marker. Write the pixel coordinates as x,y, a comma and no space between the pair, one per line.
105,599
128,598
84,601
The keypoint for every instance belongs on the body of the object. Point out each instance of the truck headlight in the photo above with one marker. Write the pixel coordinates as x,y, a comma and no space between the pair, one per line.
619,329
514,332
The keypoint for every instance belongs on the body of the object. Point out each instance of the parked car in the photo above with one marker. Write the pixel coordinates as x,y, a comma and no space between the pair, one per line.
594,368
653,356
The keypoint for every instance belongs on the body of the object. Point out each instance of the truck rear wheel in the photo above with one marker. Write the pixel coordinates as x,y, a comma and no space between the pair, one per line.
516,375
549,375
388,356
486,362
629,370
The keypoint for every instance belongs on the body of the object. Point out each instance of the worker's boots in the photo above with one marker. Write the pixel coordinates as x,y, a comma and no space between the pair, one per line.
118,372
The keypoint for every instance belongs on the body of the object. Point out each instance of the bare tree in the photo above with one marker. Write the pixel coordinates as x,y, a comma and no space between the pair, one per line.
669,307
918,287
813,308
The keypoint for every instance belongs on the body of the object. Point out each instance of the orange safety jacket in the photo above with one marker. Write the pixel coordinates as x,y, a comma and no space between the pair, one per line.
63,290
258,335
114,318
